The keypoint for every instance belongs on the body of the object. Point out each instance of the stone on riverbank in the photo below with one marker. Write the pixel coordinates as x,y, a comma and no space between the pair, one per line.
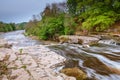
78,39
76,72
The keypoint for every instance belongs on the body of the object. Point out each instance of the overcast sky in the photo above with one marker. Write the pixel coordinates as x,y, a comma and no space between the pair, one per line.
21,10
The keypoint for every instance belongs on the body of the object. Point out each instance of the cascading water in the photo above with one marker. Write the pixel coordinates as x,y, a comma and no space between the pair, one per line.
99,62
110,42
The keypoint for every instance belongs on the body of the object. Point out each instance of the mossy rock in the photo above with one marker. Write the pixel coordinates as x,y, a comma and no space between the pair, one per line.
6,46
75,72
70,39
80,41
63,39
93,43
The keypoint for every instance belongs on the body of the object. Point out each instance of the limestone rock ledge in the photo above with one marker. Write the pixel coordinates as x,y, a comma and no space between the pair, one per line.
74,39
31,63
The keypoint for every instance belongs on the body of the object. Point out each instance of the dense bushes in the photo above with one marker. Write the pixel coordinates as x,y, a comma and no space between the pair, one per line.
99,22
50,27
99,19
95,15
5,27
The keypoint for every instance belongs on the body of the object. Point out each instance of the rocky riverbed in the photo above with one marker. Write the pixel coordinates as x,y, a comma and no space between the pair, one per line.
23,58
31,63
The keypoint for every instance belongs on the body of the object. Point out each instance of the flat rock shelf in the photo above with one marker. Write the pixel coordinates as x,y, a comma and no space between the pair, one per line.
31,63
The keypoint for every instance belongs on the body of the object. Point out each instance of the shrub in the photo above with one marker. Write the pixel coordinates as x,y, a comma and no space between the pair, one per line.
99,21
51,27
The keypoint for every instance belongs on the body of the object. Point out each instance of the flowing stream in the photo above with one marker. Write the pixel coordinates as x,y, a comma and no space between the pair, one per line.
18,40
100,62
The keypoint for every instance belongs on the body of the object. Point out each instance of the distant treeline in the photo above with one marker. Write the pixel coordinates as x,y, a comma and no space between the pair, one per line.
6,27
74,15
21,26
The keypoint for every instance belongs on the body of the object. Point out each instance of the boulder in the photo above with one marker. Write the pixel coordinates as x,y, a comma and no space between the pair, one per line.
75,72
70,39
78,39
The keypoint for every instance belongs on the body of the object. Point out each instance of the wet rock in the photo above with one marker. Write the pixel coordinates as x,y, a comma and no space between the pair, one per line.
63,39
66,77
115,37
7,45
76,72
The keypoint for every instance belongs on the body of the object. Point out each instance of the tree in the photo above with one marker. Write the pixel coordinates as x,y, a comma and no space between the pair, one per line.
96,15
13,26
72,5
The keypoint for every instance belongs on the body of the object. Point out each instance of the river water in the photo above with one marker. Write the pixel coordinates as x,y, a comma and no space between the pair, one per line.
18,40
101,62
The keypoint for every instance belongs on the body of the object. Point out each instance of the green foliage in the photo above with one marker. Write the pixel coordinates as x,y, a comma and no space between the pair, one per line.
96,15
116,4
52,27
98,23
72,4
98,19
5,27
13,26
21,50
69,25
21,26
68,30
88,15
31,28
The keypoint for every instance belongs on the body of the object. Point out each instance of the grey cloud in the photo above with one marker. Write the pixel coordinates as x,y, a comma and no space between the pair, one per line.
21,10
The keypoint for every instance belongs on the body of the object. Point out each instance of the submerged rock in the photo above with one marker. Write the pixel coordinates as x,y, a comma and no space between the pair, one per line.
75,72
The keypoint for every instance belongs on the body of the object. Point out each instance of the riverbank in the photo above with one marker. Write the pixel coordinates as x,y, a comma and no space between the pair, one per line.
44,42
91,39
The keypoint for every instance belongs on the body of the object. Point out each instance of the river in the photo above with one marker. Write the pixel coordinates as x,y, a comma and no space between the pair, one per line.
100,62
